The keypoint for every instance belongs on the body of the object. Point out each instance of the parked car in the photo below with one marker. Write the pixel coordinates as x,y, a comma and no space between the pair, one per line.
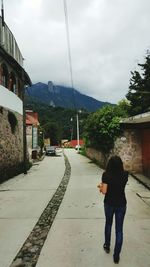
50,151
77,147
58,151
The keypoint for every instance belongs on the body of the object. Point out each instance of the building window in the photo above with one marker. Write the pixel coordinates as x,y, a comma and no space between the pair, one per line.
12,83
4,78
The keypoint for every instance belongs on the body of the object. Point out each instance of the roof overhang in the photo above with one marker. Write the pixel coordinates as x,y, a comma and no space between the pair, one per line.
16,66
138,121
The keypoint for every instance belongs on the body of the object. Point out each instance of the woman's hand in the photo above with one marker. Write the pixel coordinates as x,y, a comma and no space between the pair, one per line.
102,188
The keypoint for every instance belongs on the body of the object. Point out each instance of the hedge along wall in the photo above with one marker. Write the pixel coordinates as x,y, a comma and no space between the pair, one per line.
128,148
11,143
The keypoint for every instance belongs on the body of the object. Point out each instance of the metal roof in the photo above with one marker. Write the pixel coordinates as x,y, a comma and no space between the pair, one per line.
141,118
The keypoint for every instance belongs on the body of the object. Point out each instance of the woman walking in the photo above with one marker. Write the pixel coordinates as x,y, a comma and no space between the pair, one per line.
113,184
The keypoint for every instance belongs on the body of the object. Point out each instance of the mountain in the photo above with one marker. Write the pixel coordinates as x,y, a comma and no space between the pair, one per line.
61,96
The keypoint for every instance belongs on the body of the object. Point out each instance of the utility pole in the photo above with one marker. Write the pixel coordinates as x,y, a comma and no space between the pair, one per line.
24,135
2,12
71,129
77,133
3,23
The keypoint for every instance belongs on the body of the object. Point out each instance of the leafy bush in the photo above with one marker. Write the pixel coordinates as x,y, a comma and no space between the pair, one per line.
102,128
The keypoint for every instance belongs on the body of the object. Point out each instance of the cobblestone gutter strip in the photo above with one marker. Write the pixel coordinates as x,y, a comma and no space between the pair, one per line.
30,251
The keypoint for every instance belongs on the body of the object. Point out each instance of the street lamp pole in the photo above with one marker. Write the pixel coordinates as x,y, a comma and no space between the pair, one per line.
24,135
77,133
71,129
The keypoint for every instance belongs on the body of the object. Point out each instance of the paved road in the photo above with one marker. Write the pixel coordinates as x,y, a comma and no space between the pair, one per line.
76,236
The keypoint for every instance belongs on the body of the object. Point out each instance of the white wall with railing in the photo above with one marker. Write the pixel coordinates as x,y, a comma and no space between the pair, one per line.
10,101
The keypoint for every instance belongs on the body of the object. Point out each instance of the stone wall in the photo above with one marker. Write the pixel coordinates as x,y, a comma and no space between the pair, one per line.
11,144
97,156
128,147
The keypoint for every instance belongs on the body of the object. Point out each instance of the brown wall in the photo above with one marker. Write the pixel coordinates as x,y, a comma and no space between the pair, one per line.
128,148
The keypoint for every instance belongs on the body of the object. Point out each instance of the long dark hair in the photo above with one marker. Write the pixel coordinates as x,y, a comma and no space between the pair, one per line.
115,166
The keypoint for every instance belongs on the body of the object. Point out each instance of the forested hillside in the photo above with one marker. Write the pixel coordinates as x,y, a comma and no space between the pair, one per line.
58,120
61,96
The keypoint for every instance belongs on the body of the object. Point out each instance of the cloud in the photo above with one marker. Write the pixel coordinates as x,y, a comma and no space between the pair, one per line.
107,39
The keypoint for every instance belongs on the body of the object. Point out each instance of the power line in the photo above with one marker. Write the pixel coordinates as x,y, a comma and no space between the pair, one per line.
69,50
70,64
68,41
2,12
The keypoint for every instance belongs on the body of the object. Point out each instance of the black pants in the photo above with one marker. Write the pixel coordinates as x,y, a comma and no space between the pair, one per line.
119,219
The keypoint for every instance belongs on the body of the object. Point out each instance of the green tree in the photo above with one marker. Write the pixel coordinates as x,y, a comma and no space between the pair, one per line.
102,128
122,108
139,89
52,131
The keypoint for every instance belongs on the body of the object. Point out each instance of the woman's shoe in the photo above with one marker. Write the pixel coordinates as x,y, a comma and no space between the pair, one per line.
116,258
107,249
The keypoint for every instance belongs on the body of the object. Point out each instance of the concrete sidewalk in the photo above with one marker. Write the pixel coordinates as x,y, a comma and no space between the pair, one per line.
77,234
22,201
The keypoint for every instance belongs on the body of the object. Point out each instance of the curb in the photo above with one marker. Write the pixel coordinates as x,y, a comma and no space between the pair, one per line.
140,181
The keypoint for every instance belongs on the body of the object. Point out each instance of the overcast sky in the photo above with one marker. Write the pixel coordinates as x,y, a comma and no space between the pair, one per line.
108,38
